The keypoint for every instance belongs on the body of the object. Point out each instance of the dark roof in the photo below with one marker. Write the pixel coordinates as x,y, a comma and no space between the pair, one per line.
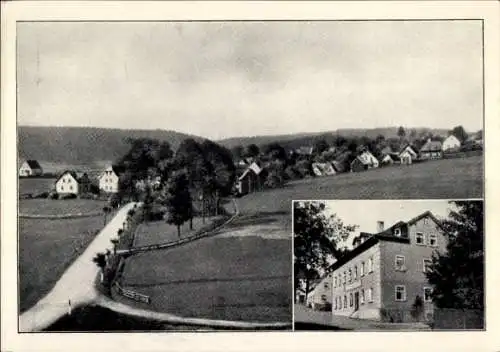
386,235
33,164
386,150
338,166
370,242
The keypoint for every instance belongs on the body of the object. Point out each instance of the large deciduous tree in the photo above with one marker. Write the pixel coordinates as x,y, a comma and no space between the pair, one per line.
460,133
458,274
178,200
252,151
316,238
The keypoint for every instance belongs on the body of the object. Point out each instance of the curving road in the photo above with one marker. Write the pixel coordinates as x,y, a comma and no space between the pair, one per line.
77,282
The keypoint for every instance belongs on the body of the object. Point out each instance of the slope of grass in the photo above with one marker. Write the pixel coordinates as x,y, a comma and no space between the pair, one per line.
231,278
60,207
46,249
162,232
438,179
36,185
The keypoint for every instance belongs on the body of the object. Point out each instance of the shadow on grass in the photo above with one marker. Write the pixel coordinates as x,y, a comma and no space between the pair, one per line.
99,319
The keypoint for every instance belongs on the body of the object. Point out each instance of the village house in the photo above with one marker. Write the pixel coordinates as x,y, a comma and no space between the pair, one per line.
385,272
323,169
68,183
108,180
30,168
451,143
431,150
364,161
251,180
320,296
407,155
389,159
304,150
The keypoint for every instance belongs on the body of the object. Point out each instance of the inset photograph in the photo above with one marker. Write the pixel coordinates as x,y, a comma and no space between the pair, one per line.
378,265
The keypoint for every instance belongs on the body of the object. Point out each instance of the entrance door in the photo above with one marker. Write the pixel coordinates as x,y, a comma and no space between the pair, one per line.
356,301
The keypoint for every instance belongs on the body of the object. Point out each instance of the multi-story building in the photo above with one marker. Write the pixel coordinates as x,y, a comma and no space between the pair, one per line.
383,275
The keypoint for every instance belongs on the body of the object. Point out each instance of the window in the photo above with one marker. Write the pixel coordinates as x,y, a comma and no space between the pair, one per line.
419,238
351,300
335,281
400,292
370,265
362,296
62,188
397,232
335,306
70,188
345,277
399,263
432,240
427,294
326,285
345,301
355,272
426,221
323,298
350,275
370,295
362,269
427,265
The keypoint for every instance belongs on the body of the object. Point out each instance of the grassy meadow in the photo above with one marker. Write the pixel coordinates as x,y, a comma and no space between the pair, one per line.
46,249
35,185
156,232
231,278
436,179
59,206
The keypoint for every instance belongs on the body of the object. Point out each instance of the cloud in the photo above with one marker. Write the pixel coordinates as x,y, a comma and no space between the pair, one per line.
223,79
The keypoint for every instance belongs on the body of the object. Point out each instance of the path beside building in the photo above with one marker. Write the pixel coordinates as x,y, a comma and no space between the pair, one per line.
76,285
302,314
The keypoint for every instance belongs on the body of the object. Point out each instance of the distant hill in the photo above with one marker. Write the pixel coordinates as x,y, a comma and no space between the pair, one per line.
84,145
309,138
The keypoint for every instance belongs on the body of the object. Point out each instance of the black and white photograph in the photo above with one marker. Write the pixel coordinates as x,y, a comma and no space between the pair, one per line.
209,175
389,265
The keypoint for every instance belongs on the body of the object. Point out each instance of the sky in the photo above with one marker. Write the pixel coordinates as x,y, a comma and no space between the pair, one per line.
227,79
366,213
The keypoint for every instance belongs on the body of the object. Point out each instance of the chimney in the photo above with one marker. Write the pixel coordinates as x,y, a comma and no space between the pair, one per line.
380,226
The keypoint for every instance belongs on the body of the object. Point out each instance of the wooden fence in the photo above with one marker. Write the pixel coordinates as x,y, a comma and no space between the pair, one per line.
136,296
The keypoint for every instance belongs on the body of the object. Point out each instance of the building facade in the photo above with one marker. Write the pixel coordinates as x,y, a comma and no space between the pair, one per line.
431,150
451,143
67,183
108,181
381,278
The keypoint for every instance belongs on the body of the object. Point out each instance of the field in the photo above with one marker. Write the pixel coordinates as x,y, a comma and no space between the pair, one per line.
162,232
59,207
231,278
46,249
35,185
438,179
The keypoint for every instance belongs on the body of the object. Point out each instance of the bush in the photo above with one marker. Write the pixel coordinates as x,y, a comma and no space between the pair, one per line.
68,196
43,195
114,200
89,196
54,195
